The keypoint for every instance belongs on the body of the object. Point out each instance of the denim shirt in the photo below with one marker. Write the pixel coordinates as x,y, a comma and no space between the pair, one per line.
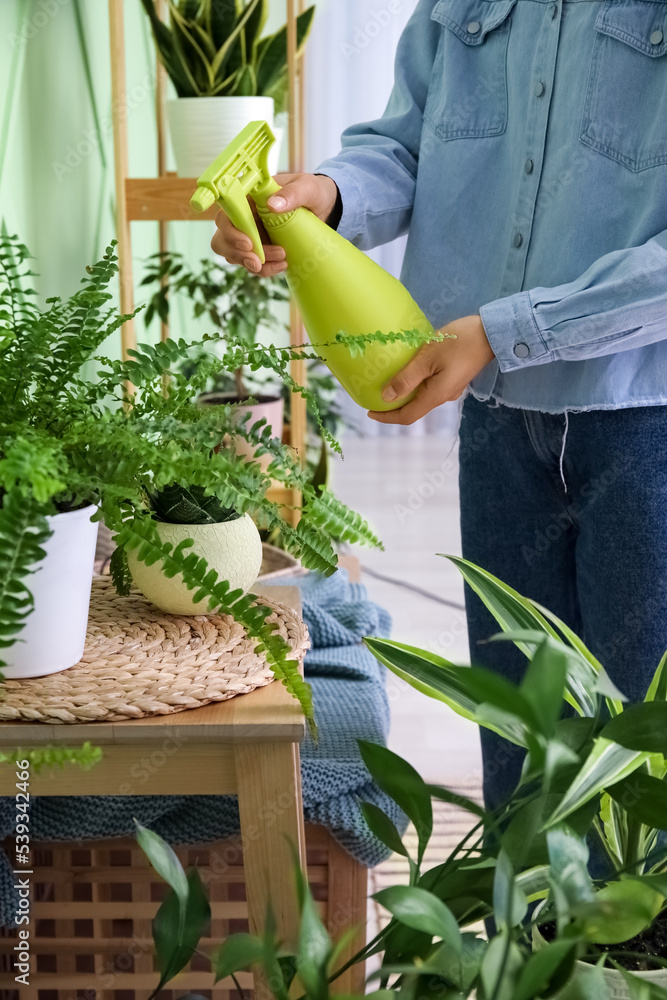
524,150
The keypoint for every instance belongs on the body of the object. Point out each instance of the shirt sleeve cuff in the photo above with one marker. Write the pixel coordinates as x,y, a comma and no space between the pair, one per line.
351,221
513,333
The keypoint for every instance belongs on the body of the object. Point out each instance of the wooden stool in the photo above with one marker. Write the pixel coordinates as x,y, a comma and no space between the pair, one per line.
249,747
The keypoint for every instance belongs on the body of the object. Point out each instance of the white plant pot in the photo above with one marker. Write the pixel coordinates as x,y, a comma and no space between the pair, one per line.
201,127
233,549
618,989
55,631
271,409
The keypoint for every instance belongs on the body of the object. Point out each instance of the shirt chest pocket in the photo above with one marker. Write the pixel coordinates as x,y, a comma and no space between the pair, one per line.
467,95
625,110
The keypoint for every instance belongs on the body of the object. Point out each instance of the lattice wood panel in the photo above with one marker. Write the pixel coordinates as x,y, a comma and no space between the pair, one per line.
93,904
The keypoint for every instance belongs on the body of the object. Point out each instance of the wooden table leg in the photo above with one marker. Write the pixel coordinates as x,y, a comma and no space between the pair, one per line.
271,809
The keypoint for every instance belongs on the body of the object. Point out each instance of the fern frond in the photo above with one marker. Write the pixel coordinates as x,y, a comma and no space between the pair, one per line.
141,534
120,571
413,338
23,532
333,517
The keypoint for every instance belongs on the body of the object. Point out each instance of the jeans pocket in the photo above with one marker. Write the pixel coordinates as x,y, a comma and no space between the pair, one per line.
625,110
467,95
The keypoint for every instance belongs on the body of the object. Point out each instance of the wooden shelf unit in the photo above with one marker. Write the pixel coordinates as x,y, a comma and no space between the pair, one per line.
166,198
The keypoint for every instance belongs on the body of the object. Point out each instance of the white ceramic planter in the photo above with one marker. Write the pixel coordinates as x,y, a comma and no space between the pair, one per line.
55,631
270,409
616,985
233,549
201,127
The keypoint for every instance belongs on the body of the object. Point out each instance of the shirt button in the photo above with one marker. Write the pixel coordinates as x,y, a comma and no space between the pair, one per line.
656,37
518,240
529,166
474,27
522,350
540,89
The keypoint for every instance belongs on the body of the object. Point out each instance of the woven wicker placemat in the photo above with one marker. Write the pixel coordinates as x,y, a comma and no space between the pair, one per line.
139,661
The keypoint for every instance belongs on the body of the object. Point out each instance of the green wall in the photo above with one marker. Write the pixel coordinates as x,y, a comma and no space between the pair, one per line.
56,142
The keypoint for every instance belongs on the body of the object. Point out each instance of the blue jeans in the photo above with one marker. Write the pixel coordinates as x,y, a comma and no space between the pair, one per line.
588,540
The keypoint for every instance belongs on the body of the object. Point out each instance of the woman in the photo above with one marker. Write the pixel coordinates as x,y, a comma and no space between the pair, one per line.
524,150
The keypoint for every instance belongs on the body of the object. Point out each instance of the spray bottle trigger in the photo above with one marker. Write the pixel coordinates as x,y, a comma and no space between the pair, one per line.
237,207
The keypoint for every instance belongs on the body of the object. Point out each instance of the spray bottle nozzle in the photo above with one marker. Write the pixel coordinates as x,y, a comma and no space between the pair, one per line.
242,169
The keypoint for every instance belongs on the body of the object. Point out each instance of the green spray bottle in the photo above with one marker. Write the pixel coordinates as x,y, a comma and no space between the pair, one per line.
337,288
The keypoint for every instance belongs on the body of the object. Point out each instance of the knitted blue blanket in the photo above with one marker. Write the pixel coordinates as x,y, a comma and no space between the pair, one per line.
350,704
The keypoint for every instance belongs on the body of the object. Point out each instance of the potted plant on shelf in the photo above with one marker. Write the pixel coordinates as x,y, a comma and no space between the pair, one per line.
226,73
605,774
238,307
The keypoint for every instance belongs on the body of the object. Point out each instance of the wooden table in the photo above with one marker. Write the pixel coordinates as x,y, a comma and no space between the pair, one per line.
248,746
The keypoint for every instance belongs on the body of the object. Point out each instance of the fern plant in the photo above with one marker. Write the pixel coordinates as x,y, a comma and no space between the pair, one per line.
216,48
69,439
234,301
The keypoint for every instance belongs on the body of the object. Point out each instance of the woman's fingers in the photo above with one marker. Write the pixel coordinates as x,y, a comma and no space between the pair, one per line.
318,193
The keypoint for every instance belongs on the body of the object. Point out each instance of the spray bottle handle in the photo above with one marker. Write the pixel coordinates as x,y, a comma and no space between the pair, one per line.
233,201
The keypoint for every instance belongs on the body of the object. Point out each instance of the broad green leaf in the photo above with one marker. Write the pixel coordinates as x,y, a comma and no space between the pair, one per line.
254,28
314,946
509,903
640,727
516,613
552,966
640,989
383,828
460,967
404,785
544,682
456,799
233,36
658,688
524,839
236,954
501,967
642,797
588,983
568,855
619,912
607,764
534,883
422,911
272,52
439,679
164,860
656,882
176,939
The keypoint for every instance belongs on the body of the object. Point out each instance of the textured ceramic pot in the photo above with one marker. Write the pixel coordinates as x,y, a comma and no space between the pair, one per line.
233,549
201,127
269,408
616,985
55,631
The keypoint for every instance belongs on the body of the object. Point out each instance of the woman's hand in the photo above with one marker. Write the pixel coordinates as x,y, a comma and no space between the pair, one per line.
314,191
439,371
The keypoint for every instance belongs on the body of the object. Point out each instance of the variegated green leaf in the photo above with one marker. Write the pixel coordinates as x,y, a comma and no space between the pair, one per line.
515,613
607,764
439,679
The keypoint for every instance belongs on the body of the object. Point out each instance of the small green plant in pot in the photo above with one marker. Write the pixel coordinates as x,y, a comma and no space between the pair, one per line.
225,71
71,440
237,306
605,773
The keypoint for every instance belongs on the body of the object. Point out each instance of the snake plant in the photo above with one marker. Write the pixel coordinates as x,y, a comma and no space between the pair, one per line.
215,48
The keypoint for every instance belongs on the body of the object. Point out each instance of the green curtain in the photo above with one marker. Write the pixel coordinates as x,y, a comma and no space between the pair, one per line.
56,141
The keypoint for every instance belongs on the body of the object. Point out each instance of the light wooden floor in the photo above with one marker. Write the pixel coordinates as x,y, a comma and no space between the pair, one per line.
407,489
